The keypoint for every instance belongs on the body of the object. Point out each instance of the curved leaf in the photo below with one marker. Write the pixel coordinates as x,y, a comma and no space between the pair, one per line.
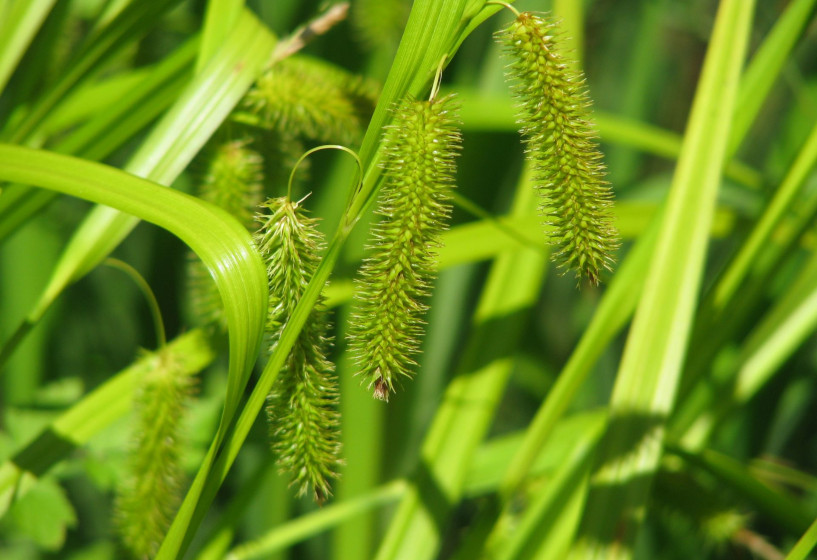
220,241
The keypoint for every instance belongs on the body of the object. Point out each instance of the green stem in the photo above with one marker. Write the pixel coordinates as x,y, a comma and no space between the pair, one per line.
144,287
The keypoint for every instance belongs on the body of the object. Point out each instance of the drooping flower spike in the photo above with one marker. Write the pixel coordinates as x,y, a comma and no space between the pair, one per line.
414,206
151,493
303,404
561,145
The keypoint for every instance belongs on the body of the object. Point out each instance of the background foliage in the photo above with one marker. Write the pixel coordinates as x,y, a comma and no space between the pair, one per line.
538,424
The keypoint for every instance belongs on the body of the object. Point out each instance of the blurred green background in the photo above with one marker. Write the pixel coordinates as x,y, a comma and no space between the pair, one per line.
642,61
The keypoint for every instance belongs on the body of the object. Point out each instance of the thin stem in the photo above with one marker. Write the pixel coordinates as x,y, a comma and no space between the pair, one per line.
438,77
318,26
504,5
144,287
325,147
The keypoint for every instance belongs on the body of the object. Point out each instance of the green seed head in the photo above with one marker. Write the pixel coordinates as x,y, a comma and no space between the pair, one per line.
561,145
302,406
307,97
148,498
414,206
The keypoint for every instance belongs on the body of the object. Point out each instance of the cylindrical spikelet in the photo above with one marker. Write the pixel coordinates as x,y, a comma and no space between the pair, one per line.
232,180
150,495
302,406
561,144
307,97
414,205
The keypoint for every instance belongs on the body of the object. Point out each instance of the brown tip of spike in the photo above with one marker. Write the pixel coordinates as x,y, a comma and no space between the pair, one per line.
381,390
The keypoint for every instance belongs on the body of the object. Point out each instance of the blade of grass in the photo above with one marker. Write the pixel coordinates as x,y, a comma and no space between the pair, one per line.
482,477
764,69
104,132
783,329
611,316
571,15
748,276
758,260
94,96
805,545
221,242
362,431
151,95
255,489
18,25
784,198
647,380
308,525
547,525
136,19
643,71
219,19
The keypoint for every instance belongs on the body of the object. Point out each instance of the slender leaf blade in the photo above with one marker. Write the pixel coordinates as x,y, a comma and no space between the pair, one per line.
648,376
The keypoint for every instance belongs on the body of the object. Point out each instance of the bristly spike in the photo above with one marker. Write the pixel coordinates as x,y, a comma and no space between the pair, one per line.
302,406
414,205
561,144
149,496
311,98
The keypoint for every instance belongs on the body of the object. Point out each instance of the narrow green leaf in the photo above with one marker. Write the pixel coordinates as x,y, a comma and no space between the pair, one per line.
792,319
571,17
546,528
744,263
308,525
99,47
805,545
105,131
765,67
764,250
648,376
18,25
488,462
139,104
610,317
219,19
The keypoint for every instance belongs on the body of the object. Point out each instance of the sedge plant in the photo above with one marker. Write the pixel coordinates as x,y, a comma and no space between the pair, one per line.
661,408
